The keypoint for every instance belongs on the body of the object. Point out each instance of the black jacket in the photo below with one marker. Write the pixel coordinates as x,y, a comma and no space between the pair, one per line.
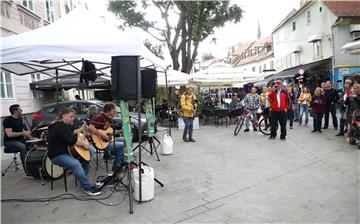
353,102
60,136
331,96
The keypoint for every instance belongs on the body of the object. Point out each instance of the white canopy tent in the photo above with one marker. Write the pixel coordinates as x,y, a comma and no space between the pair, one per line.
222,74
174,78
66,42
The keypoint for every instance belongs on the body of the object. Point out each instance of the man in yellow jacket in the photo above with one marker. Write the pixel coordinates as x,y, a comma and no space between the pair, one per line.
188,106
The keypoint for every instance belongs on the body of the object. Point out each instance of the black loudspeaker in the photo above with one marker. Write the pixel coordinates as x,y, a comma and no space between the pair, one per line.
124,77
148,83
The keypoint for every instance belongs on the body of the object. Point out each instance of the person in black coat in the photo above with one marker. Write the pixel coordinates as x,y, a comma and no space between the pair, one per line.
332,97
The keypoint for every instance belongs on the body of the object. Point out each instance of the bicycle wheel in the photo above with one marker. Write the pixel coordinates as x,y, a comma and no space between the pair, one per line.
239,124
266,130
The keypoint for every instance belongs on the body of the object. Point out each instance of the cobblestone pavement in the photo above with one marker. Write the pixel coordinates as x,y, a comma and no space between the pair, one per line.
220,178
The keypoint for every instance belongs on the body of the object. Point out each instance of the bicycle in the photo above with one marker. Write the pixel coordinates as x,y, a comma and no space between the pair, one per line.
261,125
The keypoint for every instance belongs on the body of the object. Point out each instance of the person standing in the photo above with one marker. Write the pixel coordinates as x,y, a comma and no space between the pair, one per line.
296,103
15,132
265,105
279,101
252,103
304,101
353,103
292,108
318,102
188,106
342,107
331,96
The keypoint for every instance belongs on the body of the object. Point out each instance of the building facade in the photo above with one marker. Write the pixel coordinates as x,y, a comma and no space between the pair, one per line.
256,59
17,17
311,39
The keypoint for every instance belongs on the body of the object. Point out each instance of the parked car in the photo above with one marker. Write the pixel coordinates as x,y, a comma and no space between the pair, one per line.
48,112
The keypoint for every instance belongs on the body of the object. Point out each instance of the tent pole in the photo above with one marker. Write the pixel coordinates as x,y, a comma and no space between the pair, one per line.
139,125
57,89
167,101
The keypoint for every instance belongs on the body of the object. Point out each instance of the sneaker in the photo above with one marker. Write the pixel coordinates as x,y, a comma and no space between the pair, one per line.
282,138
191,140
352,141
185,139
313,131
255,129
325,127
93,191
246,130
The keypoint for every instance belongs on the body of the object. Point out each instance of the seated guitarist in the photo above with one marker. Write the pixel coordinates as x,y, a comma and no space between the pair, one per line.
102,122
60,137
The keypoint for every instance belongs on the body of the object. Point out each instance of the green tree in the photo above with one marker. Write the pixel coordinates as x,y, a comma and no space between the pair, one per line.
196,20
207,56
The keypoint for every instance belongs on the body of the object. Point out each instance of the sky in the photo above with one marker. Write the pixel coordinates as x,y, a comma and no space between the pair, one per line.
269,13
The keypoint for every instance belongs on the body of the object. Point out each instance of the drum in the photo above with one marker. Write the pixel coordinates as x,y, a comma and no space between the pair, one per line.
35,143
38,163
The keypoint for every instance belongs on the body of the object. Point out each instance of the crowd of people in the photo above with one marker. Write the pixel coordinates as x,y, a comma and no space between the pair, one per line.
291,103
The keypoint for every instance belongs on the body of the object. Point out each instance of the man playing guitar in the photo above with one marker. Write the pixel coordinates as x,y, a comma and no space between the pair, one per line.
60,137
103,121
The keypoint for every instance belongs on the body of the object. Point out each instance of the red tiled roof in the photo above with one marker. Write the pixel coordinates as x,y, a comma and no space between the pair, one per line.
267,41
343,7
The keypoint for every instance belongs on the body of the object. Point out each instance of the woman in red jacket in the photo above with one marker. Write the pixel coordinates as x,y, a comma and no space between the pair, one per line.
279,99
318,109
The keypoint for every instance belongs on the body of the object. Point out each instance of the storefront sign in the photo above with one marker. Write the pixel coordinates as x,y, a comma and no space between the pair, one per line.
344,71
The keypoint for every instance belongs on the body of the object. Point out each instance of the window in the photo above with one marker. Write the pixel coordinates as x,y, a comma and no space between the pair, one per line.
260,70
36,93
49,10
308,18
6,84
254,69
28,4
264,66
293,26
271,64
317,48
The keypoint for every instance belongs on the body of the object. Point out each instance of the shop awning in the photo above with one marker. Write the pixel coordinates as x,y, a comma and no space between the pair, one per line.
291,72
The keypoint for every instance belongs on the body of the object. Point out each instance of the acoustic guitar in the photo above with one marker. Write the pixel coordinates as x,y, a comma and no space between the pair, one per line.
79,152
101,143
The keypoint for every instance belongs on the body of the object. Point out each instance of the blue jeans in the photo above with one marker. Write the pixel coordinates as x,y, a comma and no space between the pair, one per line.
188,121
86,164
66,160
253,116
16,146
304,108
119,153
